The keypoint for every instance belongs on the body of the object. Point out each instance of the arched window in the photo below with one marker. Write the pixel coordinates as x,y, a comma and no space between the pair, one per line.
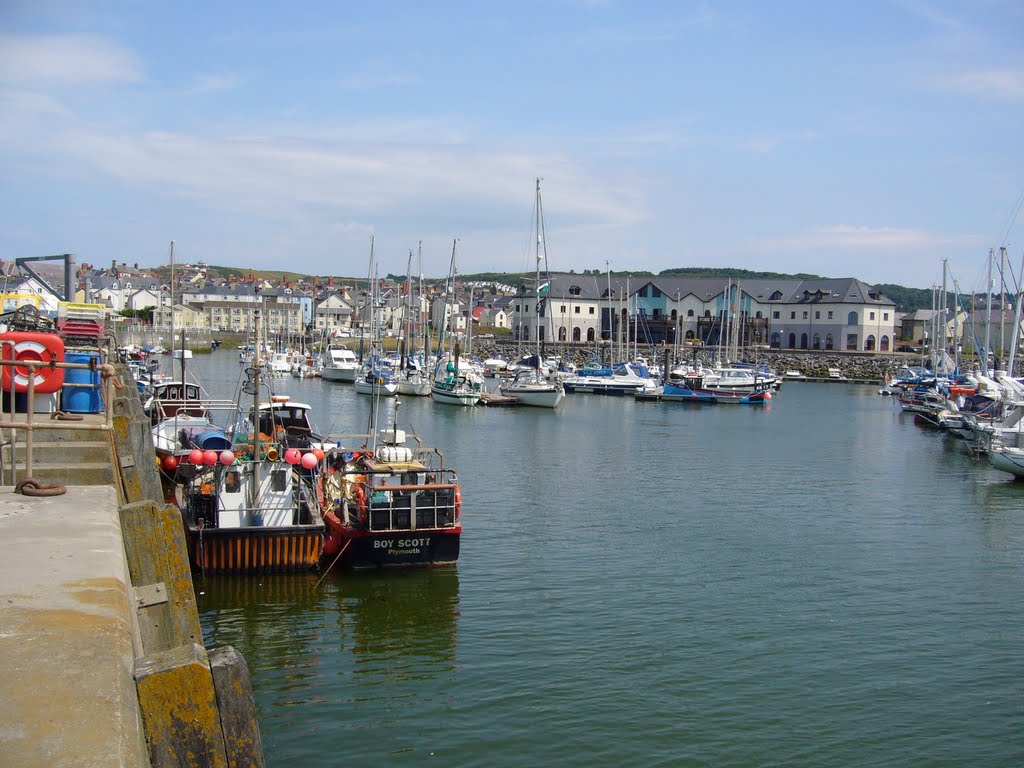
707,313
803,341
576,333
828,342
851,319
776,341
816,341
869,343
758,314
675,315
561,333
884,347
690,335
689,313
590,334
792,341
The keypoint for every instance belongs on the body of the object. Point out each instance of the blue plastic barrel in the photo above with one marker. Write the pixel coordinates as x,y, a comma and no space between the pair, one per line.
212,440
78,399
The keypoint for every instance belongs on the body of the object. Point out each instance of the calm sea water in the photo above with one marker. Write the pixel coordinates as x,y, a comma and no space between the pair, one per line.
817,582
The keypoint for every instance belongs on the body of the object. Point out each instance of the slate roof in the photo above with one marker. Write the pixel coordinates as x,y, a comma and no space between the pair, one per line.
826,290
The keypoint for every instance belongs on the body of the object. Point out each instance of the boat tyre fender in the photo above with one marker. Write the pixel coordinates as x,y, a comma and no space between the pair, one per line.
32,487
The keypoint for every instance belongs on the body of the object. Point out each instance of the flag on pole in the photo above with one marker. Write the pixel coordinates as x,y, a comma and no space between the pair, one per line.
543,287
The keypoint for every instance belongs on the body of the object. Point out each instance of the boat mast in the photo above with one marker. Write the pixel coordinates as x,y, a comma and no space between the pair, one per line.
254,489
540,257
1002,301
1011,364
988,316
172,295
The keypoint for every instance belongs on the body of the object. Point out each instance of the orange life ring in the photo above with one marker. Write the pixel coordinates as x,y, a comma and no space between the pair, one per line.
42,347
458,501
359,497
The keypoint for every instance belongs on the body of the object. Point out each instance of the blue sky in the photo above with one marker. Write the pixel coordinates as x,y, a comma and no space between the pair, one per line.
869,139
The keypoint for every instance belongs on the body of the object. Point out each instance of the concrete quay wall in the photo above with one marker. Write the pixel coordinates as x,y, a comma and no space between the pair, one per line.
102,659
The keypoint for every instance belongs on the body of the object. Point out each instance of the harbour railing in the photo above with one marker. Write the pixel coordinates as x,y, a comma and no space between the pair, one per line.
24,410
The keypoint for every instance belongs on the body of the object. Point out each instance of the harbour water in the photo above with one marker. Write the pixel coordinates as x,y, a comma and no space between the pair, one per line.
815,582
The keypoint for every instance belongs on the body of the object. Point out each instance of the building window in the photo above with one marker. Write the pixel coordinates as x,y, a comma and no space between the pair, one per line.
792,315
563,312
871,316
576,310
830,314
851,319
817,316
775,314
885,316
689,313
591,312
805,317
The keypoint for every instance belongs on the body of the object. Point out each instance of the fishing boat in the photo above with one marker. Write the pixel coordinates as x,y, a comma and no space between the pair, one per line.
390,504
534,384
254,506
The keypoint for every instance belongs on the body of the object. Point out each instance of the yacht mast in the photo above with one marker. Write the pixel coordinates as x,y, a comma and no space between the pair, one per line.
988,317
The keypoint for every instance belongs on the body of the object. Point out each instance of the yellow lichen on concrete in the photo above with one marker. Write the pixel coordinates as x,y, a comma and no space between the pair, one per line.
179,708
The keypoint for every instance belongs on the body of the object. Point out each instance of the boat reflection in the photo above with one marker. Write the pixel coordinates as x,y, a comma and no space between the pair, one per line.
400,616
404,619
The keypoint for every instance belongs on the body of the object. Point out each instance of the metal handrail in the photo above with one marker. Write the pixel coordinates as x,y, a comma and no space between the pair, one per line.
30,425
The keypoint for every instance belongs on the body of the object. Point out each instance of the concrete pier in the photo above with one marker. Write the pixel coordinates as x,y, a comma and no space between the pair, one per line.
102,660
67,696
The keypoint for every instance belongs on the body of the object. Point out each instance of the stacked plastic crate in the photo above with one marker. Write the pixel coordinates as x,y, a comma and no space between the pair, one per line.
81,325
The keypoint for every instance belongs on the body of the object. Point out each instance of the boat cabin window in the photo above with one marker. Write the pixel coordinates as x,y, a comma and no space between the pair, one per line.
282,417
279,480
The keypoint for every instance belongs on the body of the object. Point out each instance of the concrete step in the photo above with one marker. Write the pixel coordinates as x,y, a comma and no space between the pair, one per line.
82,450
66,457
77,473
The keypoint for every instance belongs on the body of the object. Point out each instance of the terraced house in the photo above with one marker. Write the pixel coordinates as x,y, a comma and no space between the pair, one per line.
823,314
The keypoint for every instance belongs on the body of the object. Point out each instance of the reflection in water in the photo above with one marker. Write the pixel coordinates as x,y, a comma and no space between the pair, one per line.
348,656
399,616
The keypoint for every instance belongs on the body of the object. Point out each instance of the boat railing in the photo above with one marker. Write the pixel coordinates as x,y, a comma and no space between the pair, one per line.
414,507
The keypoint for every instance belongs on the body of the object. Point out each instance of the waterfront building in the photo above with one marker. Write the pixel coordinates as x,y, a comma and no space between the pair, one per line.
819,314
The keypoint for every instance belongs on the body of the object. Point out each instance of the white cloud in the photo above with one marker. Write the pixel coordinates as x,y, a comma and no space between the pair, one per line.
861,238
372,81
1007,84
65,60
214,83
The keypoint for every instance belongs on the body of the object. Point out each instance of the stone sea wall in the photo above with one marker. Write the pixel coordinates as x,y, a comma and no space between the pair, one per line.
853,365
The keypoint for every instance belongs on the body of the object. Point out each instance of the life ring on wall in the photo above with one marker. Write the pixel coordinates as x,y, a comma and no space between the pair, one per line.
42,347
359,497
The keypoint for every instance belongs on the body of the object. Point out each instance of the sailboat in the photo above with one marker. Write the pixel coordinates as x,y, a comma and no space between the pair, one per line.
535,384
376,376
413,377
453,382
